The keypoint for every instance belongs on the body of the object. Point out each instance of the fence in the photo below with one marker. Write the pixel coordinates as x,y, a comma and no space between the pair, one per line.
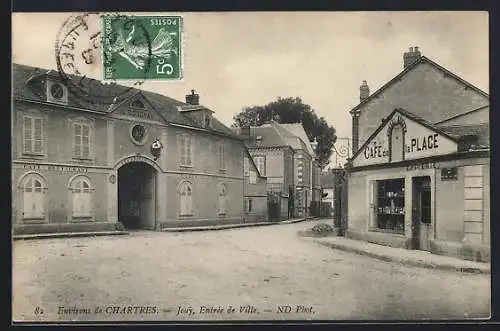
320,209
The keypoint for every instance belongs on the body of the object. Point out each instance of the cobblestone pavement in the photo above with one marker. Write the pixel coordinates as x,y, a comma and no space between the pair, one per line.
255,270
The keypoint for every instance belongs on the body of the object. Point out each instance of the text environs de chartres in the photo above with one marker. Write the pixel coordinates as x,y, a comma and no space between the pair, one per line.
415,144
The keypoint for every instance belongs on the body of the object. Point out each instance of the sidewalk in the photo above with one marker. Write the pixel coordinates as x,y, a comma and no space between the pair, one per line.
414,258
177,229
229,226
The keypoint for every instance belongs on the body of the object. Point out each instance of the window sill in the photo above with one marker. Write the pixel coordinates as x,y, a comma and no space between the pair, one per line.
81,219
82,159
32,155
186,215
187,167
396,232
222,171
34,220
222,214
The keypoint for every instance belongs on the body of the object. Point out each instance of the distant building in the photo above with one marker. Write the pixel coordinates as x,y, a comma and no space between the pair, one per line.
85,166
328,185
284,155
420,174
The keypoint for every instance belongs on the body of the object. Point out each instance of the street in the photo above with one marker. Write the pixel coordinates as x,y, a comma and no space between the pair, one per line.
253,273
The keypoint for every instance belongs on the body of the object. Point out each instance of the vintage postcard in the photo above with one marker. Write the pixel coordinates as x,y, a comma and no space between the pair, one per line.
250,166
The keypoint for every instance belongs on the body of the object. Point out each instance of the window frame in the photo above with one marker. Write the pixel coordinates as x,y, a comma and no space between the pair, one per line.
185,190
222,199
87,194
33,118
33,177
186,144
222,156
261,162
392,208
82,124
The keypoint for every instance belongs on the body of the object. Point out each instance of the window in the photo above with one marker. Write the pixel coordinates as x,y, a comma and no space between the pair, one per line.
138,134
222,199
390,205
253,177
81,140
137,104
186,199
81,198
260,162
33,197
32,135
397,143
186,150
222,156
246,167
248,205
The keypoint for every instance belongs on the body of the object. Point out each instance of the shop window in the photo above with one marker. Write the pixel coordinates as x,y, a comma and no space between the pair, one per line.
222,199
397,143
186,199
81,198
33,197
391,205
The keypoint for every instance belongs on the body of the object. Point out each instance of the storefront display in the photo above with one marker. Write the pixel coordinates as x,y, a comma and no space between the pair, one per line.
391,205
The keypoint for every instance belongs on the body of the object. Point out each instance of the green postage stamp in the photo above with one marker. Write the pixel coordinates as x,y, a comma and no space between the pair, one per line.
142,47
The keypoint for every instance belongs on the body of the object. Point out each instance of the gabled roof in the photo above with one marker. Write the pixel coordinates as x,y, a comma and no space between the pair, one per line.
462,114
421,60
165,106
297,130
411,116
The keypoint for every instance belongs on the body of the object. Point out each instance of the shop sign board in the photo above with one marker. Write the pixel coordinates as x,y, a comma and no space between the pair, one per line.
418,141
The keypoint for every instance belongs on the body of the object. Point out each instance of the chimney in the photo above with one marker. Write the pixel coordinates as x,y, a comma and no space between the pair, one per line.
245,132
193,98
364,91
411,56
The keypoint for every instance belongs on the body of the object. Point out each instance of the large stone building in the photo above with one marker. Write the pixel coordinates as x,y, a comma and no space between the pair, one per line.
420,174
79,165
284,154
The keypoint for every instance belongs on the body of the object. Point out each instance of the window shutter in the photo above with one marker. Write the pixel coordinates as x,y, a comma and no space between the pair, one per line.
28,204
78,139
246,165
28,134
88,204
85,140
38,137
189,150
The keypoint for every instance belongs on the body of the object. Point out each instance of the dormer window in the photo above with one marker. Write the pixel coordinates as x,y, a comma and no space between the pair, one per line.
57,92
258,139
468,143
137,104
206,120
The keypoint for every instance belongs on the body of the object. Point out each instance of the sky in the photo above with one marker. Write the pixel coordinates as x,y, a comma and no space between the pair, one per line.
238,59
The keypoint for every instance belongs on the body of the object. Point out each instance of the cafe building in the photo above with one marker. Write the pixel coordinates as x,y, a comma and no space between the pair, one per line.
147,162
421,178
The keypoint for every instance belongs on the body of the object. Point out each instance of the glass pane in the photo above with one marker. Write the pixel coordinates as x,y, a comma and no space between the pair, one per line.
29,183
85,184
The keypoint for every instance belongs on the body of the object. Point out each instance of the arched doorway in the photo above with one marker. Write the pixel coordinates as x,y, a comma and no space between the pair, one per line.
137,195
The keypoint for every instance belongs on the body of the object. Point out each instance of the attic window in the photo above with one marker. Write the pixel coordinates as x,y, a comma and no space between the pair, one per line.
137,104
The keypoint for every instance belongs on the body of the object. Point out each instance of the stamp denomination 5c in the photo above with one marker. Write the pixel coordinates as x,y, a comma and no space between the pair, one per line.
146,47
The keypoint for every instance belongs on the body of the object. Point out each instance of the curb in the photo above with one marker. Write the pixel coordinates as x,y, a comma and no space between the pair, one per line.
229,226
413,263
67,235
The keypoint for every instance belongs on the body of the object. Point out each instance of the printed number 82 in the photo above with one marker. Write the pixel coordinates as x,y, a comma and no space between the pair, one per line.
163,21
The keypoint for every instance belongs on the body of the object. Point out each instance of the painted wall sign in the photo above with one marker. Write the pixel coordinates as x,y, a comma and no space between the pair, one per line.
139,114
419,142
420,166
54,168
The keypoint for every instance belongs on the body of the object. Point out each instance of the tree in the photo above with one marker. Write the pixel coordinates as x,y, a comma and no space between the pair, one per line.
292,110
